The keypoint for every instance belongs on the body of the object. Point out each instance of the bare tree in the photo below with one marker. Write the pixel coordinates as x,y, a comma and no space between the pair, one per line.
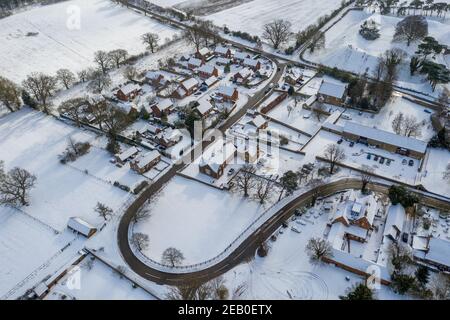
103,60
412,127
9,94
263,188
103,210
130,73
41,87
334,154
15,187
366,177
100,81
397,123
245,180
316,188
277,32
318,109
118,56
142,214
317,249
74,108
84,75
195,290
150,40
411,28
66,77
195,36
172,256
140,240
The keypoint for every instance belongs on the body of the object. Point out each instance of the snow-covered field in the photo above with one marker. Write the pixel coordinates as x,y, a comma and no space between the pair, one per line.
345,48
252,16
103,25
33,141
201,222
97,282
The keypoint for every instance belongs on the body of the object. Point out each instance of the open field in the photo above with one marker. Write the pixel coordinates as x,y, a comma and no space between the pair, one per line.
63,43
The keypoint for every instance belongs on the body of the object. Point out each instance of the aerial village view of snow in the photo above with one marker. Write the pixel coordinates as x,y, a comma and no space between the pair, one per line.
225,150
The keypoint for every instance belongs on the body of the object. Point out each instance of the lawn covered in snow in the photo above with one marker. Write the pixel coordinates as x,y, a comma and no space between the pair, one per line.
199,220
103,26
252,16
33,141
433,181
346,49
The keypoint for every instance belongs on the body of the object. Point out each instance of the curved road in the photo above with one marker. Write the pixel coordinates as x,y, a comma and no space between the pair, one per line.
247,248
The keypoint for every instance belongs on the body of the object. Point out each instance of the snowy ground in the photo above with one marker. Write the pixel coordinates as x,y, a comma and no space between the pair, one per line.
97,282
33,141
433,172
383,119
286,272
61,44
252,16
201,223
346,49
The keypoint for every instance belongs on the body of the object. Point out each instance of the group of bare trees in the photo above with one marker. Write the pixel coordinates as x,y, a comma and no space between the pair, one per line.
212,290
15,186
406,125
201,34
10,94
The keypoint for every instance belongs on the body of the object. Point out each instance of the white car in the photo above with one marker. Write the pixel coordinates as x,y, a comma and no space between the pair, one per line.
306,116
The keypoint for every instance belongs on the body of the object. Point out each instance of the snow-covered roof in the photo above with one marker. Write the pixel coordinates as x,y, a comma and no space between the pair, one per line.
170,135
195,62
127,153
385,137
207,68
204,106
152,75
190,83
221,50
419,243
147,158
438,251
204,51
227,91
310,100
241,55
210,81
80,226
129,88
258,121
250,62
244,146
223,60
165,104
217,154
332,89
395,220
245,72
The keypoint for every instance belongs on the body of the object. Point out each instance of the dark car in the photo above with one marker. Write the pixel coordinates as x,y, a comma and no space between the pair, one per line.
405,237
369,156
375,158
388,162
381,160
426,111
352,144
411,163
340,141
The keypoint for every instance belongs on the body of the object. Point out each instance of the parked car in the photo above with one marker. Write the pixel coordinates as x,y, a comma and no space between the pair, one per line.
404,161
381,160
388,162
375,158
306,116
411,162
340,141
405,237
369,156
351,144
230,172
426,111
198,93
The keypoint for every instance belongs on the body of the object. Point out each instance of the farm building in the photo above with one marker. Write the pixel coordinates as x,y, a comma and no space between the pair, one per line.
80,226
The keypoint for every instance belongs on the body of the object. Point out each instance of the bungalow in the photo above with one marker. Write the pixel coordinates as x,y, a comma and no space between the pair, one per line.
228,93
332,93
162,108
216,158
252,64
240,56
186,88
80,226
195,63
207,71
222,51
145,162
243,76
128,92
169,138
127,154
155,78
221,61
203,54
